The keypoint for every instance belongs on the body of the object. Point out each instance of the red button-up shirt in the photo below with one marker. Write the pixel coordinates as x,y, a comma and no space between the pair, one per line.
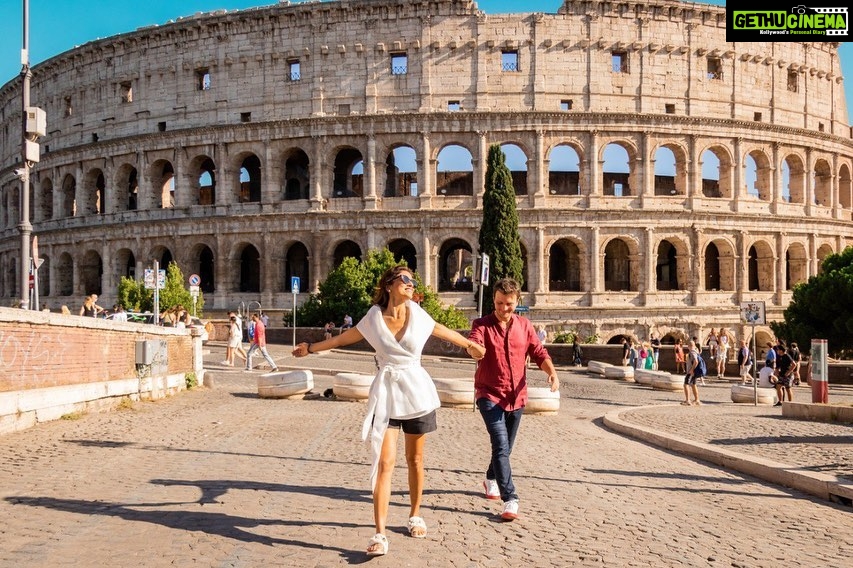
501,375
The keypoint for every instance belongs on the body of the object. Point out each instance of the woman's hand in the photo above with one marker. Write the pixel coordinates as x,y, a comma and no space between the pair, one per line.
301,350
475,351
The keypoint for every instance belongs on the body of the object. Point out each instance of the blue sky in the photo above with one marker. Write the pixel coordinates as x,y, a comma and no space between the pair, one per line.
59,25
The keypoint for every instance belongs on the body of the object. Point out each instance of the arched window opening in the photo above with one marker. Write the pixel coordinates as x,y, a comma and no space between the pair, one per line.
296,264
297,177
712,267
616,171
617,266
207,182
250,180
666,270
69,199
665,178
404,250
207,270
564,270
516,162
349,174
456,266
753,269
401,172
250,270
454,171
65,275
91,271
346,249
564,171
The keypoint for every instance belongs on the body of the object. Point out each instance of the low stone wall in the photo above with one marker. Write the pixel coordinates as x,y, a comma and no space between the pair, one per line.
52,365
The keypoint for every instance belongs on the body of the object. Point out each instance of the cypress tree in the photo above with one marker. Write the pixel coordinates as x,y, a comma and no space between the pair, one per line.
499,230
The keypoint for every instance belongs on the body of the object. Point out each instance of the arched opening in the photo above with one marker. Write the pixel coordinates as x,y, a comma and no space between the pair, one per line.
564,267
617,266
822,252
349,174
666,269
250,180
454,171
44,277
250,270
346,249
822,184
796,266
163,181
712,267
91,271
716,173
564,171
404,250
845,188
516,162
125,264
616,171
46,202
296,264
69,199
297,177
401,172
206,270
455,266
65,275
205,172
670,171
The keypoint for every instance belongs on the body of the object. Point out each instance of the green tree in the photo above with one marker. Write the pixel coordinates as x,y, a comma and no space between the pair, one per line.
499,230
133,295
822,308
349,290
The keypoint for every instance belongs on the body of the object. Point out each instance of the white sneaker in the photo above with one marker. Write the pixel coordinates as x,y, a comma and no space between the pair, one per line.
510,510
492,490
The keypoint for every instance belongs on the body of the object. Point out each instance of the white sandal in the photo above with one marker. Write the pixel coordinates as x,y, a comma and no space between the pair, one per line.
417,523
382,541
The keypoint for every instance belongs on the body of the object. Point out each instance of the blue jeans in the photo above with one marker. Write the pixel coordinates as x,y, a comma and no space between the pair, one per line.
502,427
263,350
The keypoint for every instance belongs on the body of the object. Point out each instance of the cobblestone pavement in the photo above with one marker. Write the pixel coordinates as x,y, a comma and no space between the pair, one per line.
219,477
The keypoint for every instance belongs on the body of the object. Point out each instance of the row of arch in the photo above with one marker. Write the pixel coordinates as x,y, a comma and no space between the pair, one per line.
567,261
166,184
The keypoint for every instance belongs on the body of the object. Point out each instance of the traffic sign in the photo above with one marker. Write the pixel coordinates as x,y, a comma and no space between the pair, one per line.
484,269
194,280
522,309
294,284
148,278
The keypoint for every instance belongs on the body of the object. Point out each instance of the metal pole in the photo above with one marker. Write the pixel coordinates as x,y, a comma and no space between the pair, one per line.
754,369
156,292
25,228
294,320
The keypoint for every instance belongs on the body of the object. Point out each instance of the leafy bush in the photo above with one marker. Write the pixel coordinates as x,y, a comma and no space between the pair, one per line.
133,295
564,337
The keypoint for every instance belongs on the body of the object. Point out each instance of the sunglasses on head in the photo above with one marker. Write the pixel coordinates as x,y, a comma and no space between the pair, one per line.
406,280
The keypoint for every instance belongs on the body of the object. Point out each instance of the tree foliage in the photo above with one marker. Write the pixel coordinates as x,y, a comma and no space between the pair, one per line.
822,308
499,230
133,295
349,290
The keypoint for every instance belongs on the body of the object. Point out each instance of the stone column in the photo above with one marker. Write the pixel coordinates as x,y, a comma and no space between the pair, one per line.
540,264
480,169
79,191
183,184
649,285
813,256
742,274
539,195
776,190
425,264
370,199
426,168
698,283
224,183
317,170
739,189
809,175
781,265
694,172
647,170
593,183
271,191
594,264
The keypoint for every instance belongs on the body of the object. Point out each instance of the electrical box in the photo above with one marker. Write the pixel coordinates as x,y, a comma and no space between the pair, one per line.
36,121
33,151
145,351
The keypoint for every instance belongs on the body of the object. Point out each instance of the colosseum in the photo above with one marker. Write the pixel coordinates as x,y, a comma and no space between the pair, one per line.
663,175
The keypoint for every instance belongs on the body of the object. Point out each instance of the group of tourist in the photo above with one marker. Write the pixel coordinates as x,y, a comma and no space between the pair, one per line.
641,354
403,396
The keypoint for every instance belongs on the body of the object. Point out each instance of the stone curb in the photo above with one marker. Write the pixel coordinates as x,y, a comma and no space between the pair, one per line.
818,484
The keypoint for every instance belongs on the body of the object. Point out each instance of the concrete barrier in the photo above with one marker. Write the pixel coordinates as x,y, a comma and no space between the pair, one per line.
597,367
454,393
540,400
287,384
745,394
352,386
621,373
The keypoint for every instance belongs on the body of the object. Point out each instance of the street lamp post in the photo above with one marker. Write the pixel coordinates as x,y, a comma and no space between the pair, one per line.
25,227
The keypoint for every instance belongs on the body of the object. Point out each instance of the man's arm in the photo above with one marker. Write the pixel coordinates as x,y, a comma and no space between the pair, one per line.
553,380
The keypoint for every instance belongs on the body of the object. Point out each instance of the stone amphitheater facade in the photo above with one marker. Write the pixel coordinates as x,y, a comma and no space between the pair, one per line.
256,145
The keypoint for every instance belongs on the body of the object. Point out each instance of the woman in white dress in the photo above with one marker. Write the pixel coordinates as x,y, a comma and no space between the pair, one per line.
402,395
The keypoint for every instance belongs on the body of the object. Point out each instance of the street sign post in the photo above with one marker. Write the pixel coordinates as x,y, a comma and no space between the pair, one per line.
484,281
753,313
294,287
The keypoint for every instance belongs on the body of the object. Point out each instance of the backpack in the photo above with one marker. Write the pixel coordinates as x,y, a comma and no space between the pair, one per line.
701,369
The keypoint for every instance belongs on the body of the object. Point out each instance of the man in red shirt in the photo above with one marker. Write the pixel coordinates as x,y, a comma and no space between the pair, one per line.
259,342
500,384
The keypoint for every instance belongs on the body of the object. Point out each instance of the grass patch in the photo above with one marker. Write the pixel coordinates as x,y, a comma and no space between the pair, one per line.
125,404
73,416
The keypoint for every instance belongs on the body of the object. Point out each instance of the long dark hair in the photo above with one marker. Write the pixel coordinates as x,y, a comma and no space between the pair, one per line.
382,294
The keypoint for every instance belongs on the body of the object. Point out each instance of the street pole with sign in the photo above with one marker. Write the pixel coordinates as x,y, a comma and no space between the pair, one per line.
294,287
195,283
484,281
753,314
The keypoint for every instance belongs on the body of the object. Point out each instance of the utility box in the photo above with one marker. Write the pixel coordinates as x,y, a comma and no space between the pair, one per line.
146,350
36,121
33,151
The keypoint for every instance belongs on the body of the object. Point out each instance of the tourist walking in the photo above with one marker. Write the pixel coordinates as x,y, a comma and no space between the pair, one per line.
500,385
402,395
696,369
259,343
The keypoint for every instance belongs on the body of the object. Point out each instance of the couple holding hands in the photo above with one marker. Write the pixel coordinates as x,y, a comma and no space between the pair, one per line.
403,396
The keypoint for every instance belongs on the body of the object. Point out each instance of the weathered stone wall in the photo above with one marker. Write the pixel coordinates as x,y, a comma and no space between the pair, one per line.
53,364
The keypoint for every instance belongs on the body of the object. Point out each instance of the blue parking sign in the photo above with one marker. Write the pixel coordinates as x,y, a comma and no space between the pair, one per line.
294,284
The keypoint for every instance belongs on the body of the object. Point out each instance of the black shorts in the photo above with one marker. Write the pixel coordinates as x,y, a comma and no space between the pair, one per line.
420,425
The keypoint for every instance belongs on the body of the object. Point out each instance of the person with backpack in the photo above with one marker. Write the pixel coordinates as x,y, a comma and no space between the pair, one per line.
696,369
797,358
744,361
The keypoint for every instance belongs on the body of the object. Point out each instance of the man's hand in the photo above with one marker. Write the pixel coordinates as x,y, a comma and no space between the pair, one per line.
554,381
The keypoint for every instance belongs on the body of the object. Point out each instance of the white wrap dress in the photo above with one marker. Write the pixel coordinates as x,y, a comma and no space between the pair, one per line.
402,389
